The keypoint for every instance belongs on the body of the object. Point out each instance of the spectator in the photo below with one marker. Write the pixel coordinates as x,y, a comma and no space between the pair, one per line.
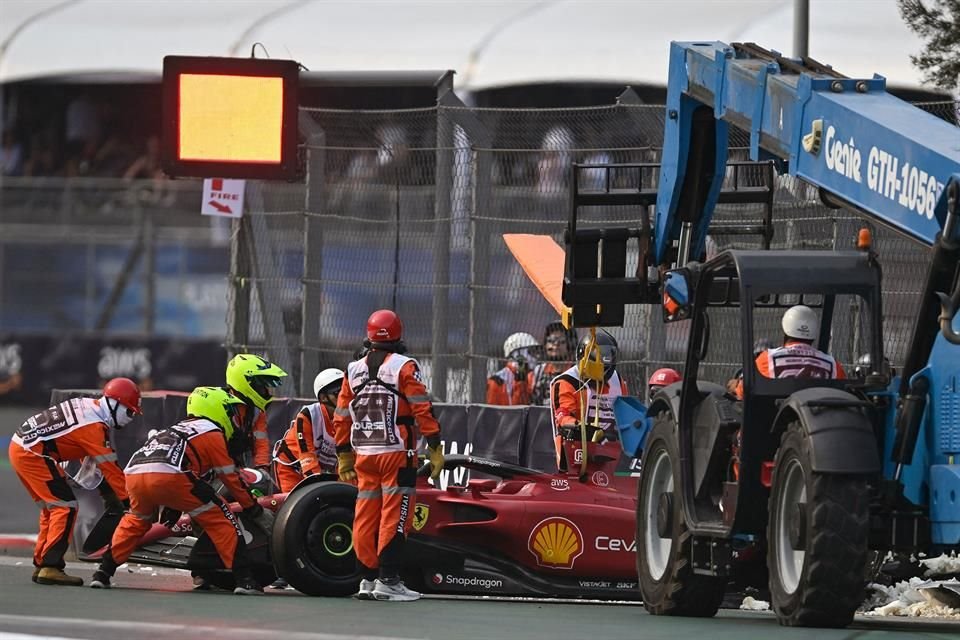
44,158
11,154
148,164
153,187
83,126
555,159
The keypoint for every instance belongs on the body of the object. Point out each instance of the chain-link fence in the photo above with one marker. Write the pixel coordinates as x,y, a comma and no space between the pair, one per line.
102,255
406,210
400,209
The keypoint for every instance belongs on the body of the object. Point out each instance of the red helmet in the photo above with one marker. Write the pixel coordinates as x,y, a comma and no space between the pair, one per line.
125,391
663,377
384,326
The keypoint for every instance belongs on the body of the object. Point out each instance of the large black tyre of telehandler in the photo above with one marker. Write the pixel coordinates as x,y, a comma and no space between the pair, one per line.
313,540
817,538
667,581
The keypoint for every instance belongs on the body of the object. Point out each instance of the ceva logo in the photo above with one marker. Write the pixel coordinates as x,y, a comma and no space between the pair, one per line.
556,543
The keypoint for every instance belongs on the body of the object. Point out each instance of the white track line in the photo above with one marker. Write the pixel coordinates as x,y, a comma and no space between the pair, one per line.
142,629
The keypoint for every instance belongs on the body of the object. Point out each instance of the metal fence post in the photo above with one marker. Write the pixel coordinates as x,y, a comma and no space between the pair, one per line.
312,261
441,259
481,174
238,312
266,271
149,274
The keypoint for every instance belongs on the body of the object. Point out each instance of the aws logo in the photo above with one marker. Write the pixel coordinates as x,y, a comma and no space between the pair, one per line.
556,543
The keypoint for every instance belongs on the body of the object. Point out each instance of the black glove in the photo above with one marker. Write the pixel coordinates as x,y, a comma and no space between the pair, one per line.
571,432
169,517
264,518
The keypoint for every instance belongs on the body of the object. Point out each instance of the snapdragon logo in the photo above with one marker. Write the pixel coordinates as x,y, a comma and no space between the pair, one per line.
466,581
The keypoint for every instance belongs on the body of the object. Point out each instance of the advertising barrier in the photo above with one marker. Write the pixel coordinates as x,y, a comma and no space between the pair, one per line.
31,366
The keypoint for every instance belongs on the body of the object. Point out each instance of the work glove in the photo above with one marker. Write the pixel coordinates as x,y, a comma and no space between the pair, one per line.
345,462
435,456
263,517
169,517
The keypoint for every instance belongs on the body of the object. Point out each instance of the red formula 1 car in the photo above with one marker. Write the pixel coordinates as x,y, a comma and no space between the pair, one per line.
518,532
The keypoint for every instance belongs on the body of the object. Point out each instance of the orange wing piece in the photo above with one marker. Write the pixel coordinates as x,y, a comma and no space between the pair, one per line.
542,260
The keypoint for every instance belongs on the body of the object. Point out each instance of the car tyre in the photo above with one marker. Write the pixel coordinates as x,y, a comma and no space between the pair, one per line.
313,540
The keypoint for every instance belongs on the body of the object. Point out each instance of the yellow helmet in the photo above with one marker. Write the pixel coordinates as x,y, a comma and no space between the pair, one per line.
252,377
215,404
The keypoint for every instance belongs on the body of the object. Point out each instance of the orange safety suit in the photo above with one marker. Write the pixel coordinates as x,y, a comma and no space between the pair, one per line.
254,423
505,388
795,359
381,402
308,447
574,402
71,430
168,471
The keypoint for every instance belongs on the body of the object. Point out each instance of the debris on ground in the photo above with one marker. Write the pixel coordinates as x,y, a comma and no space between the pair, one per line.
942,565
914,598
751,604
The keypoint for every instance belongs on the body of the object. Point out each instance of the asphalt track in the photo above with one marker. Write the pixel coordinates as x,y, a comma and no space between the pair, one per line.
143,605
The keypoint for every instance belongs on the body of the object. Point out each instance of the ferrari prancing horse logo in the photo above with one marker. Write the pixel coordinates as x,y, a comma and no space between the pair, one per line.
421,513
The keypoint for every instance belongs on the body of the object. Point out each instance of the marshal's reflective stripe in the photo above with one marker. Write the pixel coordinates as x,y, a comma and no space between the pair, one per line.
369,495
201,509
259,435
344,413
418,399
107,457
402,491
61,503
230,468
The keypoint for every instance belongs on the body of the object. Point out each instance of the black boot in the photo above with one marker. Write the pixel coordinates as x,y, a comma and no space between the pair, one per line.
100,579
246,584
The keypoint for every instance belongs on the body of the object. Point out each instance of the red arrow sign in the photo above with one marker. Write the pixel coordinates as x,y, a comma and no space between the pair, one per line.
222,208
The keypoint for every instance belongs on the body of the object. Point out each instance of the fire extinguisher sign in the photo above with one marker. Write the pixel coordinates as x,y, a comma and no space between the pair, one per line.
222,197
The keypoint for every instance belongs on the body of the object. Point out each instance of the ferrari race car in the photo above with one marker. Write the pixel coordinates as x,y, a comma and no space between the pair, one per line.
510,530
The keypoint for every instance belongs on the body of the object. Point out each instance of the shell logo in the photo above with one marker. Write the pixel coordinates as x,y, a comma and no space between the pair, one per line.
556,543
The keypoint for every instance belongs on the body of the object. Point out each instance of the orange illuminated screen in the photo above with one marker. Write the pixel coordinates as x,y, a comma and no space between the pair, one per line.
231,118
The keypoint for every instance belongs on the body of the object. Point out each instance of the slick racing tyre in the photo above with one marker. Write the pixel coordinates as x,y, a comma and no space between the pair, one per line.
313,540
667,581
817,538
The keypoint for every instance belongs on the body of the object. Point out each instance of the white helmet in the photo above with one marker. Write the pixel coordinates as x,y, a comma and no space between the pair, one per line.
325,378
800,322
518,341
